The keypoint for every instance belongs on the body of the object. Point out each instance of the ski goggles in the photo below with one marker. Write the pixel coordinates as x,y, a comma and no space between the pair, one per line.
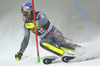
25,13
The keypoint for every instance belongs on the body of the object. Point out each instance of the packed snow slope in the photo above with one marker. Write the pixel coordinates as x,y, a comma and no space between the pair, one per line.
65,15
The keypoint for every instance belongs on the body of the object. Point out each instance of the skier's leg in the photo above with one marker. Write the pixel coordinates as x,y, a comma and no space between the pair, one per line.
58,39
49,45
68,46
65,45
62,51
77,49
61,42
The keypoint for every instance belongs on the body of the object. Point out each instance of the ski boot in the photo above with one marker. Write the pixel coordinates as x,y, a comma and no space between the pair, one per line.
71,51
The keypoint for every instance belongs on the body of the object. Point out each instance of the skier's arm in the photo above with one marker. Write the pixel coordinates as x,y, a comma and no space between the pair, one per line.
23,44
42,18
26,39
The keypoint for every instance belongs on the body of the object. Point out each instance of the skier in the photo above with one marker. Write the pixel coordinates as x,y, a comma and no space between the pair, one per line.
50,42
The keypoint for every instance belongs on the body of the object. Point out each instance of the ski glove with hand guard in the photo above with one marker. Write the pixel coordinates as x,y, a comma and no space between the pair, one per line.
19,55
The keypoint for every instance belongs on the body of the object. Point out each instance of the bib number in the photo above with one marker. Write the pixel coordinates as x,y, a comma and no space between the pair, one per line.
41,30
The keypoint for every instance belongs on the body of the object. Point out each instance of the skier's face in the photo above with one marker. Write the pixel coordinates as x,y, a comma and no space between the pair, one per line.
28,16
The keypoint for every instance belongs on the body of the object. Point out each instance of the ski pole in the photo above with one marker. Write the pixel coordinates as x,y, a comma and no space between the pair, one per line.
58,35
38,57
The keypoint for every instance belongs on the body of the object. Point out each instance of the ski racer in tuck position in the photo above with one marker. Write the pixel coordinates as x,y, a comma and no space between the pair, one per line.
57,45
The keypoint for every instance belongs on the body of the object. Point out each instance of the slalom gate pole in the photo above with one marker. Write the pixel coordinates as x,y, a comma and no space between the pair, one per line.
58,35
85,19
38,57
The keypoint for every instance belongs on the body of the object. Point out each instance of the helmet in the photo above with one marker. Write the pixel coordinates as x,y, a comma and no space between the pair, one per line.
26,8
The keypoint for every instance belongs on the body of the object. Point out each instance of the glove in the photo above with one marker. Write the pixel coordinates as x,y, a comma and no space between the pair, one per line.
19,55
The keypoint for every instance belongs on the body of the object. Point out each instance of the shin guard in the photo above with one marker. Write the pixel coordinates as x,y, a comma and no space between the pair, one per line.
52,49
68,46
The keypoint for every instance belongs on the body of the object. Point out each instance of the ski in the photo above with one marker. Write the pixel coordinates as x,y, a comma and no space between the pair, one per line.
52,59
67,58
49,59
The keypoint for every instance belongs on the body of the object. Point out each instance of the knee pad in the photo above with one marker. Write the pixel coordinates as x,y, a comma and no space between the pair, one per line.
52,49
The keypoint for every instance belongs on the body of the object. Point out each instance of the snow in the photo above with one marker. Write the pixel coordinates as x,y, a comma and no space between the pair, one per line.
11,35
7,57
